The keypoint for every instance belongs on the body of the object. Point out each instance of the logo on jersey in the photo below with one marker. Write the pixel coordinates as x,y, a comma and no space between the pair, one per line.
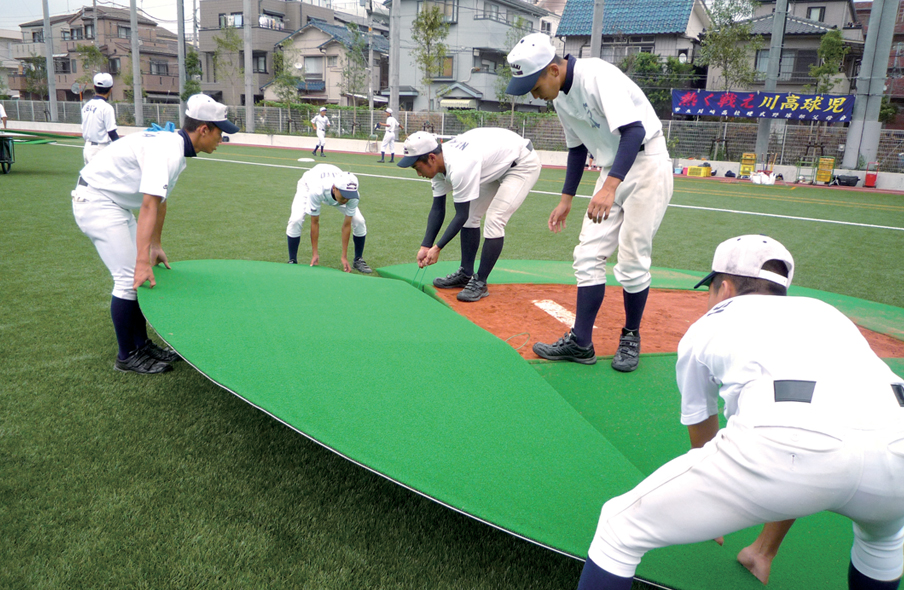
719,308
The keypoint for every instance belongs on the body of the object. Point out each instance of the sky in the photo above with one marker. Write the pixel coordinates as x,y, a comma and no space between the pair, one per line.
16,12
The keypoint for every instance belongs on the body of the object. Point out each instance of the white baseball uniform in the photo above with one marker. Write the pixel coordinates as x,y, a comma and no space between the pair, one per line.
493,169
3,115
114,183
98,120
315,189
321,122
389,137
815,422
602,99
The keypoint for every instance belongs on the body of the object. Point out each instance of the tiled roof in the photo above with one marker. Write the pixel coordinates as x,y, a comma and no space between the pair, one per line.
627,17
793,26
343,35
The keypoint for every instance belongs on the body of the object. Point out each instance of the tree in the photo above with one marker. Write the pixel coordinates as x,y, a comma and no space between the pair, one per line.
226,61
285,74
428,31
831,54
520,27
192,74
93,62
729,45
888,110
657,78
354,64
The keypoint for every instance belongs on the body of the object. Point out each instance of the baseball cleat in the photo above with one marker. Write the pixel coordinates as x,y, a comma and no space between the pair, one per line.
142,362
452,281
628,353
475,290
293,261
362,266
566,348
167,355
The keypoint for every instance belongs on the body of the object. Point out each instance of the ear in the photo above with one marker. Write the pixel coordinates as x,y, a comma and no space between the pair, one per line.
727,290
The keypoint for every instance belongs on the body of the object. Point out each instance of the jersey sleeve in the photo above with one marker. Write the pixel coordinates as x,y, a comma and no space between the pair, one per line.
696,382
159,168
351,208
109,119
441,185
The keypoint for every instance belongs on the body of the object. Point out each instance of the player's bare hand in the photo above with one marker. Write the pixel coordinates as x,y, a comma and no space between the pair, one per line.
315,259
600,205
422,256
432,256
345,265
158,256
720,541
557,217
143,273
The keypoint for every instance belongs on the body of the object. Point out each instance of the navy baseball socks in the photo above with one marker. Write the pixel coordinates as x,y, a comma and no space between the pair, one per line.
383,157
627,356
359,263
593,577
470,242
476,288
293,249
137,353
577,345
859,581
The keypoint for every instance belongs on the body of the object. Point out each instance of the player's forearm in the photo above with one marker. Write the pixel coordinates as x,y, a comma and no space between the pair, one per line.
158,226
346,235
703,432
462,212
315,236
146,228
434,220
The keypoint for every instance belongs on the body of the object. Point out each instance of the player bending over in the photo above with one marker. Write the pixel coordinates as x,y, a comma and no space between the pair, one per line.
815,422
325,184
489,173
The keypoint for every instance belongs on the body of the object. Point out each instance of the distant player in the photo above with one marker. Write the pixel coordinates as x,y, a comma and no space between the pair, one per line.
603,111
489,172
3,115
140,173
389,137
815,422
98,118
327,185
319,123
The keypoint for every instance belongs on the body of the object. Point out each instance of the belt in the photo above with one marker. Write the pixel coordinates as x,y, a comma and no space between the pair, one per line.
98,143
81,181
789,390
641,148
530,148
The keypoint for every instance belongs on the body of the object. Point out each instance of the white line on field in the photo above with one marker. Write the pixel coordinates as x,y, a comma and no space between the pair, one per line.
556,311
850,223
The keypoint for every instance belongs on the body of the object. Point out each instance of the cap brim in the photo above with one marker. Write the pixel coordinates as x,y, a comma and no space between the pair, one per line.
407,161
226,126
350,195
523,85
706,280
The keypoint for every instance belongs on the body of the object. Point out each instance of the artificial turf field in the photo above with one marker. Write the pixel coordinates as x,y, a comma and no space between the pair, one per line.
115,481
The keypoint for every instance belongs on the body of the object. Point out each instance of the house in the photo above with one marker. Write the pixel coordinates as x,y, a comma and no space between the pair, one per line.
222,23
805,26
478,41
668,28
894,84
9,66
319,53
158,54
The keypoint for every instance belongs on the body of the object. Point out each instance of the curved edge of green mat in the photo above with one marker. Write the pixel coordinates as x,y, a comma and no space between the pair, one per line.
878,317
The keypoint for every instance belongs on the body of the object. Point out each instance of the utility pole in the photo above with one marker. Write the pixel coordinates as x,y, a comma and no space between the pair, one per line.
48,63
764,126
96,42
596,30
249,73
136,67
370,63
395,38
180,17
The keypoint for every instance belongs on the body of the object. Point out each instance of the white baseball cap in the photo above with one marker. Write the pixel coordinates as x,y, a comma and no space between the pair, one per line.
203,108
347,183
417,145
527,60
745,256
389,111
103,80
322,108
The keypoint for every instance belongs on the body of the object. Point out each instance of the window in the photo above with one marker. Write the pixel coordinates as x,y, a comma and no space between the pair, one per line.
114,65
89,31
67,35
159,68
61,65
259,63
546,27
37,36
332,61
271,20
73,65
123,32
816,13
231,20
794,66
491,11
449,8
76,34
313,68
448,68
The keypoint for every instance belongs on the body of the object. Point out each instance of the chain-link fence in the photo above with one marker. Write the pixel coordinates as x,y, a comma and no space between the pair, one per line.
710,140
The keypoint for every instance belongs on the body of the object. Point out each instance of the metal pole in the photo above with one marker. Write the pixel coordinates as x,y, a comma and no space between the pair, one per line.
180,17
48,63
772,69
96,35
249,74
370,64
395,38
136,66
596,30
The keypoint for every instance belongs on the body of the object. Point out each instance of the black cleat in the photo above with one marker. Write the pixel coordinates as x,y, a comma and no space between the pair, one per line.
167,355
452,281
566,349
142,362
362,266
475,290
628,354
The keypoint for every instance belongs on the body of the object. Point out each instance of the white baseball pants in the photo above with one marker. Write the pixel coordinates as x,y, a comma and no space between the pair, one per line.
498,200
321,139
640,203
388,144
300,210
92,150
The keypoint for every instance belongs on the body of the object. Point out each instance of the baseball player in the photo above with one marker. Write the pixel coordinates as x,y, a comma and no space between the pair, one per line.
98,118
325,184
604,112
815,422
140,174
489,173
3,116
319,124
388,145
